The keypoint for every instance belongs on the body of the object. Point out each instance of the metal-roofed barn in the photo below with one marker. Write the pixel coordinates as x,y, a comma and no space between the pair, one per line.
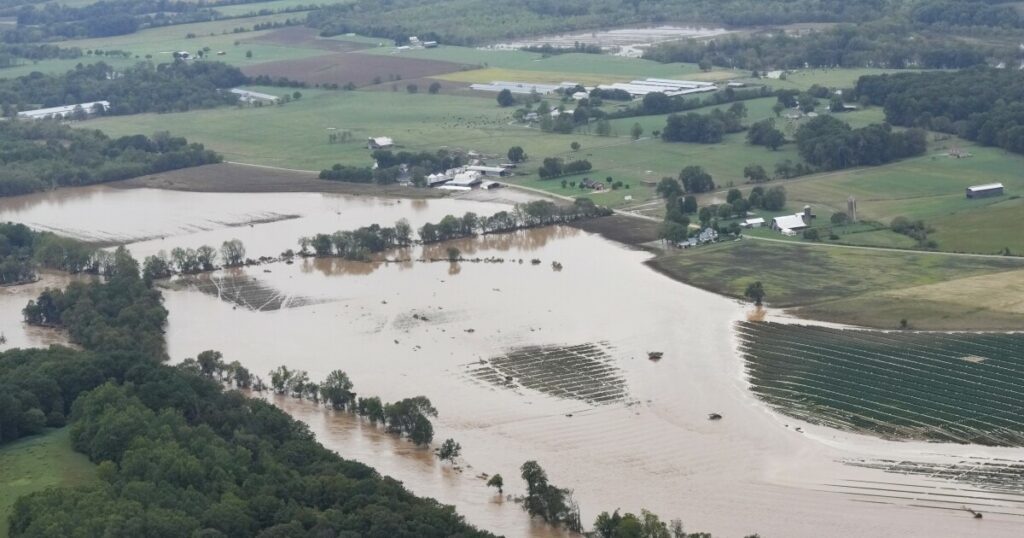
982,191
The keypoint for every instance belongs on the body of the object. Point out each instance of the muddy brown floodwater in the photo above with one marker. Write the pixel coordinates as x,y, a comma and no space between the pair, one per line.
527,361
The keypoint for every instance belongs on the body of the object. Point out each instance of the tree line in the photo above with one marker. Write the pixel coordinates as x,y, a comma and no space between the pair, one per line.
461,22
360,243
210,461
882,44
526,215
707,128
39,155
23,251
168,87
409,417
984,105
832,144
390,167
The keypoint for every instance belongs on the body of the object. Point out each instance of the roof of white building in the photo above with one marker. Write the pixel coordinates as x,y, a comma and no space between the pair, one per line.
790,222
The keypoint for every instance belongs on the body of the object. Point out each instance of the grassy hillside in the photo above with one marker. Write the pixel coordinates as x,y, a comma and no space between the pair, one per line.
865,287
37,463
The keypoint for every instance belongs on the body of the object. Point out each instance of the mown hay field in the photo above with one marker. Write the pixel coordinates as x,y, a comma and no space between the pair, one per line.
949,387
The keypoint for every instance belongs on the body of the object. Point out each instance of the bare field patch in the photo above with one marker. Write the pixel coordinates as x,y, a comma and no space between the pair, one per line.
580,372
346,68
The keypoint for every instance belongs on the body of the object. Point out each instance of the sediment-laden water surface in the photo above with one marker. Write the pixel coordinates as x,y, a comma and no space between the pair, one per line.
527,361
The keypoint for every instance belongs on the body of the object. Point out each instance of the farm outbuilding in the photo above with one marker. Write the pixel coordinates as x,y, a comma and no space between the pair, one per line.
380,142
247,96
489,170
753,223
789,222
988,189
60,112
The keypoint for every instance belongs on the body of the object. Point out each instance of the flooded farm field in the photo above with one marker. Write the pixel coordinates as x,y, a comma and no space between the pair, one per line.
524,361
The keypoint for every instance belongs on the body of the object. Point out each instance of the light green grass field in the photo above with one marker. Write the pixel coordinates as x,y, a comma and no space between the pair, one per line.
273,6
848,285
617,67
931,188
37,463
158,43
830,78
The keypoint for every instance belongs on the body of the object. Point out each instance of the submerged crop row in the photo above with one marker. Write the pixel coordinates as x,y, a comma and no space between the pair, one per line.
953,387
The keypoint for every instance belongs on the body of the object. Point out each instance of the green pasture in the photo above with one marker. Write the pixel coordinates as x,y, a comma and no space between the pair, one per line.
601,64
797,274
273,6
158,43
36,463
830,78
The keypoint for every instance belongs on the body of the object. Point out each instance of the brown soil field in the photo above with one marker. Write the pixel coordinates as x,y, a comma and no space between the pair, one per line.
231,177
620,228
360,69
301,36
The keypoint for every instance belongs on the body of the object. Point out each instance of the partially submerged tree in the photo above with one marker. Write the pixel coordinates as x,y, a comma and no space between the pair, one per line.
449,450
496,481
755,292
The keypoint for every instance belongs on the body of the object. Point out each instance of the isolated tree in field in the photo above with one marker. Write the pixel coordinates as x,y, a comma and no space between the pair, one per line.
412,88
297,95
449,451
233,252
777,108
604,127
496,481
248,54
755,173
636,131
516,154
839,218
434,88
755,292
668,188
505,98
575,146
454,254
336,390
704,64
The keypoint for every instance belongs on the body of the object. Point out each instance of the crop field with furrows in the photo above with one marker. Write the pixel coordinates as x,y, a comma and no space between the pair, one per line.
949,387
247,291
581,372
997,475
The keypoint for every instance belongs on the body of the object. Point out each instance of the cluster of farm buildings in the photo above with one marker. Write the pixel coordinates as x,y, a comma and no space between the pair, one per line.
636,88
